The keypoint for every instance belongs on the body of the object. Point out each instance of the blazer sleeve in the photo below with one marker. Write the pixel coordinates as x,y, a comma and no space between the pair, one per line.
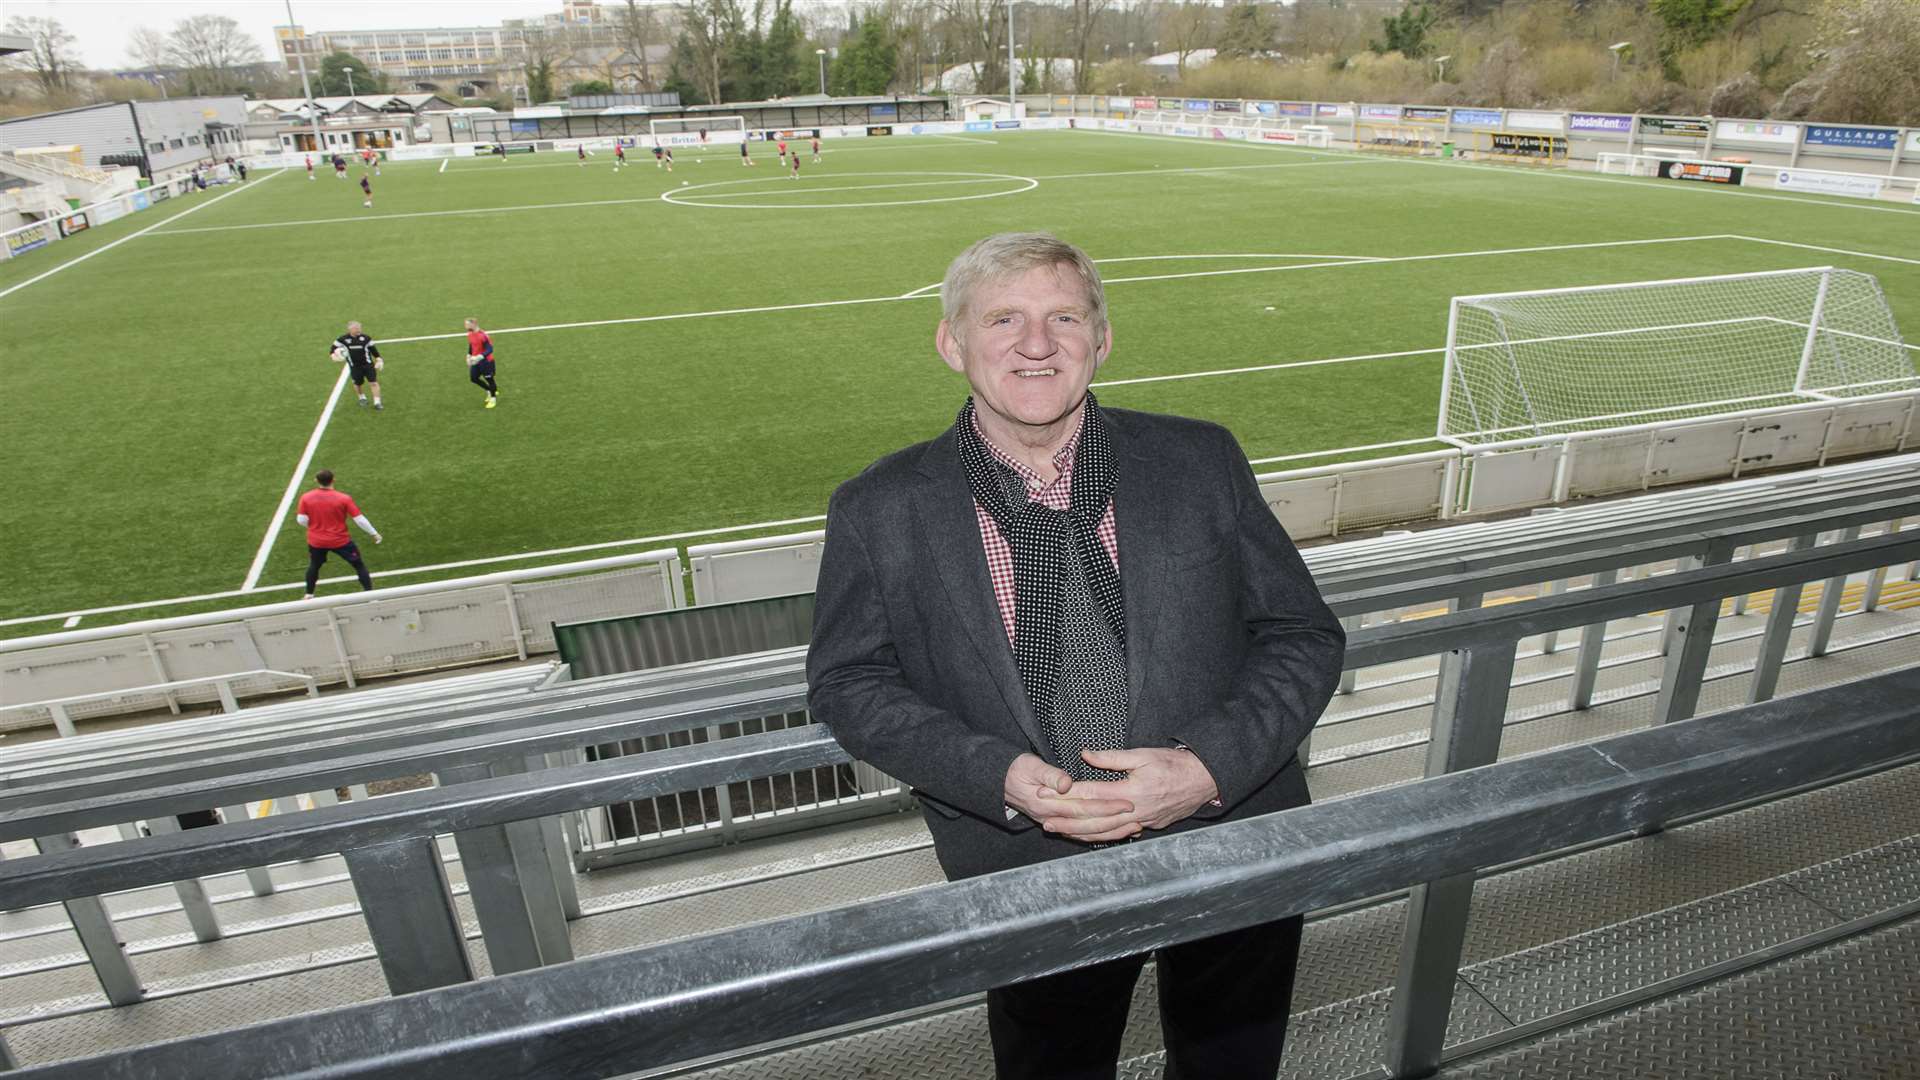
856,686
1293,659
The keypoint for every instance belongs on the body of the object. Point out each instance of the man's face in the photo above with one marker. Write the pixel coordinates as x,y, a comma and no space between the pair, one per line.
1027,346
353,328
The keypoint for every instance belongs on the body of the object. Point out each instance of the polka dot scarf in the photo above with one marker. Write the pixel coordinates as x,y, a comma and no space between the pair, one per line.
1058,563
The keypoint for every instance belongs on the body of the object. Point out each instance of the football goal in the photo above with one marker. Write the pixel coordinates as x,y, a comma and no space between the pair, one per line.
685,130
1554,361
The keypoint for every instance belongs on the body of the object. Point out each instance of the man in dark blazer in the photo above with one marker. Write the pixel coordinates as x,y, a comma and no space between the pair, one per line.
1068,626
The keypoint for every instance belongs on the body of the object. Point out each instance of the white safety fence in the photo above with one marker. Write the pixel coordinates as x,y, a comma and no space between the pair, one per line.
333,640
1741,173
17,242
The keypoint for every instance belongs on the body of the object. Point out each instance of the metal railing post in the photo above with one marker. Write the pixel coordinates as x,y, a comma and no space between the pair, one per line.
1832,592
410,915
193,894
1351,676
1470,708
1690,642
259,878
1778,632
94,927
1593,639
511,883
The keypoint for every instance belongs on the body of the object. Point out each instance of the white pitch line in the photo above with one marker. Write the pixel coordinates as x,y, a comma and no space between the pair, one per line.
922,293
72,621
414,214
4,293
1210,169
293,485
1831,250
1165,258
1342,450
812,190
443,165
1282,366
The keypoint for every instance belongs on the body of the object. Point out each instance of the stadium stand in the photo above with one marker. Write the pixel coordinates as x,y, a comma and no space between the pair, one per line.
1658,914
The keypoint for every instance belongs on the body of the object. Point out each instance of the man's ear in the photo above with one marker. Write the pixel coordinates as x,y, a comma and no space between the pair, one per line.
1104,347
948,345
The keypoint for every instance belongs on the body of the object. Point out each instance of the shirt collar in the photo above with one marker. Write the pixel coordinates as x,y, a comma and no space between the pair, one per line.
1062,458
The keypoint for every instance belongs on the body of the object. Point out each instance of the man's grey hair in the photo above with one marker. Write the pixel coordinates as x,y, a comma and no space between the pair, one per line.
1005,255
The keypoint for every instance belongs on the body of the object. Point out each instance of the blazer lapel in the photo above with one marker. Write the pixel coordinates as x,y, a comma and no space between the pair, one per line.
1141,520
950,534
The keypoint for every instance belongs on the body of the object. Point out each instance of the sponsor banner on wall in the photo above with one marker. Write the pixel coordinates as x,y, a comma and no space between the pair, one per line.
141,201
1706,172
1172,103
1226,106
1860,187
1476,117
1294,108
1196,105
1333,112
1585,121
938,127
1280,136
1146,103
1189,132
73,223
888,109
108,211
1378,112
524,127
1063,101
1527,120
1121,102
1670,126
33,236
885,129
1523,144
1862,138
1757,131
1263,108
1002,125
979,125
1423,114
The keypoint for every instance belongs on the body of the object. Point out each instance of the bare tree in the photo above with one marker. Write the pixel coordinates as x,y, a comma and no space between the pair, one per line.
147,47
979,29
1188,26
639,28
210,47
1086,16
712,26
49,52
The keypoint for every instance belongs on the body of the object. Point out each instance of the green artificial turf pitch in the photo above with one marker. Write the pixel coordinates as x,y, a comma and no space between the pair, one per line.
159,396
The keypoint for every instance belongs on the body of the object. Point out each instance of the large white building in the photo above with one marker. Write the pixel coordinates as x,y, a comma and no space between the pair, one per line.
469,61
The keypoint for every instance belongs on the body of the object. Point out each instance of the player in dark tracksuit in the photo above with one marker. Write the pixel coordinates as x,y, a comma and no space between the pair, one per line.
363,362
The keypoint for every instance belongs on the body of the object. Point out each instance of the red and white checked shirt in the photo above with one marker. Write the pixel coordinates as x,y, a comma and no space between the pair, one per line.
1056,496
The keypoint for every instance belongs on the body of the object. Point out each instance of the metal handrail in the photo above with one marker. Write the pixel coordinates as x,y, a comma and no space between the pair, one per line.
223,684
660,1005
108,800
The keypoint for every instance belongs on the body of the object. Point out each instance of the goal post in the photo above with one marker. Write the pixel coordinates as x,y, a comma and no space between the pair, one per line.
685,130
1521,365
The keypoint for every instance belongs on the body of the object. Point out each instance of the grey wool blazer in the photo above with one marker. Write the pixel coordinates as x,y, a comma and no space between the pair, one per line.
1230,649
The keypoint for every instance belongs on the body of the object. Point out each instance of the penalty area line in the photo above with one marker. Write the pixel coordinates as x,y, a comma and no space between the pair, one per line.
293,485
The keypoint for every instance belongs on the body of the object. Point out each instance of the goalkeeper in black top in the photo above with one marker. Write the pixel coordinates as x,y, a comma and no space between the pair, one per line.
362,358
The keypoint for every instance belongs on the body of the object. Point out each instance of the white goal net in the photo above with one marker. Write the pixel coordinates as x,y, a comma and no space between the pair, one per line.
1553,361
686,130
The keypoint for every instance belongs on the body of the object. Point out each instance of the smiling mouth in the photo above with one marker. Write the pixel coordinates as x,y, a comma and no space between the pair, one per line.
1037,372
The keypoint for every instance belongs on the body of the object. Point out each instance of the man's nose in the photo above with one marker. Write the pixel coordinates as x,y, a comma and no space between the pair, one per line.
1036,342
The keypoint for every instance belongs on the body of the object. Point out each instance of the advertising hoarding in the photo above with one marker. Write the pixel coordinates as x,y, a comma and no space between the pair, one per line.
1600,122
1860,138
1823,183
1476,117
1423,114
1379,112
1673,127
1294,108
1757,131
1528,120
1706,172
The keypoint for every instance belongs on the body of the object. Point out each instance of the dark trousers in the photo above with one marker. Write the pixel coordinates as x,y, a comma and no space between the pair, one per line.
317,557
1223,1009
481,375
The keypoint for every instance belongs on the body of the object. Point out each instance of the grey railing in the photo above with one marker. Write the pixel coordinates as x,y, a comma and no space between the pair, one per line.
657,1006
495,810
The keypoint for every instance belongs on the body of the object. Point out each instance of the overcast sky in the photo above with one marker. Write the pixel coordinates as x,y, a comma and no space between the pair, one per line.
102,25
